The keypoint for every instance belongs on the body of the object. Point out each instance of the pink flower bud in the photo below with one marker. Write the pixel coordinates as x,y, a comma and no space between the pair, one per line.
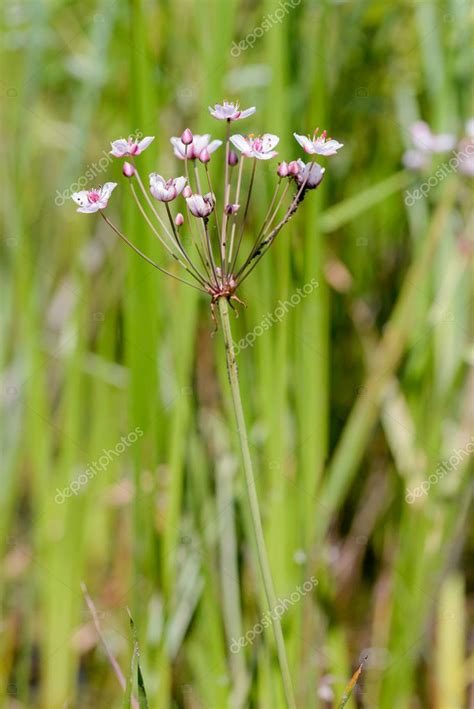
293,168
187,192
187,137
179,220
282,170
231,208
128,169
233,159
204,155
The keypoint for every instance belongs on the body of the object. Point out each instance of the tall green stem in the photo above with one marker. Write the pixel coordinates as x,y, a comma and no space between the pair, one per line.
253,500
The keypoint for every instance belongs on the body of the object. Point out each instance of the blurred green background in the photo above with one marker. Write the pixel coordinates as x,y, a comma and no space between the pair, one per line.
359,394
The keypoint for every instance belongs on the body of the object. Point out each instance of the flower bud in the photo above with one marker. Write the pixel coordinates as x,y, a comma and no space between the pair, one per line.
179,219
282,170
187,137
204,156
128,169
293,168
187,192
233,158
231,208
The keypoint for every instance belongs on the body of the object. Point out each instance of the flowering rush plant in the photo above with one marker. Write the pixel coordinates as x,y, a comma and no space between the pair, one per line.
210,252
204,237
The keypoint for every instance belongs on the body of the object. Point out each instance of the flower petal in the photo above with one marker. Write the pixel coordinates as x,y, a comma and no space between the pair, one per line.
213,145
330,147
119,148
180,184
264,156
178,147
200,142
240,143
248,112
80,197
156,179
107,189
143,144
91,208
305,143
269,141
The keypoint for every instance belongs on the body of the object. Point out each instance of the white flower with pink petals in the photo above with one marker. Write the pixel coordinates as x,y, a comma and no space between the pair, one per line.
94,200
429,142
123,147
230,111
318,145
194,149
260,147
201,205
166,190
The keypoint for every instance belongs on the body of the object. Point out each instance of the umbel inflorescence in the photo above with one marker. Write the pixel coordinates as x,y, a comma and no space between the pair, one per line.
202,234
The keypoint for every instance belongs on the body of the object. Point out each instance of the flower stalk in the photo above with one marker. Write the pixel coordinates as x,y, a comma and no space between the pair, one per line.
252,498
219,283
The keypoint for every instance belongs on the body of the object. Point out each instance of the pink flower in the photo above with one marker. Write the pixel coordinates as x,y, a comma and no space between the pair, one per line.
293,167
260,147
231,209
166,190
429,142
194,149
415,159
123,147
230,111
128,169
201,205
310,174
186,137
318,146
95,199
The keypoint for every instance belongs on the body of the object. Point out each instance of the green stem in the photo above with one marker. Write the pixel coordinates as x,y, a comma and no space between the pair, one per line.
253,500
